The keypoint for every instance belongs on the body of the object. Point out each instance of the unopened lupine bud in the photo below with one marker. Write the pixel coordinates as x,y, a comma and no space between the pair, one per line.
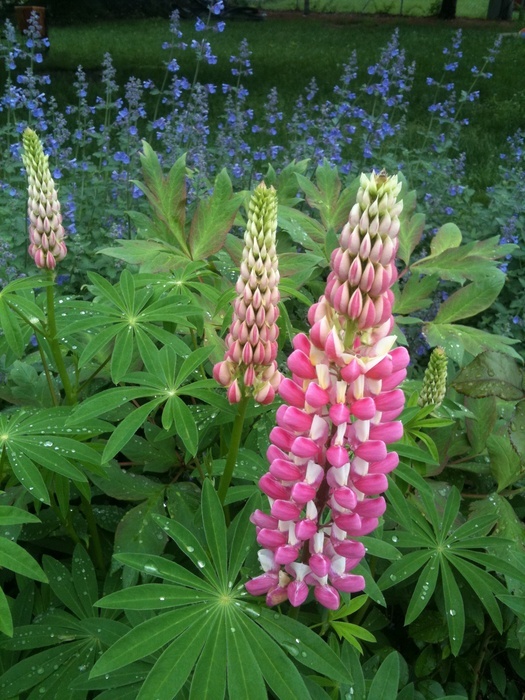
46,233
249,366
328,457
435,380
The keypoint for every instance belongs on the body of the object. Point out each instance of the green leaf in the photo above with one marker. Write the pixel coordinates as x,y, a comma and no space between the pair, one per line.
11,515
127,428
15,558
167,196
349,631
11,329
279,672
174,666
213,219
122,354
412,452
423,590
454,609
481,426
28,475
6,620
517,429
214,529
409,235
186,426
514,602
304,644
49,458
491,374
244,675
163,568
402,569
241,536
302,229
190,364
151,596
61,583
84,578
448,236
450,512
471,299
484,586
505,464
415,295
209,677
457,339
147,637
190,545
386,681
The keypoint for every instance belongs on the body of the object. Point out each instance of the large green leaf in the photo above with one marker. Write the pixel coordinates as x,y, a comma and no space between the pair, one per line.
278,671
305,645
154,565
245,679
385,682
152,596
491,374
454,608
410,234
172,669
213,219
457,339
148,637
6,620
15,558
215,530
209,677
471,299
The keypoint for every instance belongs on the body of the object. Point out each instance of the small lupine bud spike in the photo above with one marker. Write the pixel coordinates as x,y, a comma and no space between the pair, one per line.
251,345
435,380
46,233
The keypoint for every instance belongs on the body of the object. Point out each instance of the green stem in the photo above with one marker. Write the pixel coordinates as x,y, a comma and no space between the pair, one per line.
96,546
94,374
55,346
235,442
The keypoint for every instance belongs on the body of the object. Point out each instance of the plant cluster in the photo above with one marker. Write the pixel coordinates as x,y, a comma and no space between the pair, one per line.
212,395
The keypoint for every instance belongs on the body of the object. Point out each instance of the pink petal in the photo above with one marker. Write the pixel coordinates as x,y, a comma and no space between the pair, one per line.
319,564
385,465
299,363
345,497
285,510
390,400
349,583
327,596
304,447
371,507
315,396
400,358
394,380
273,488
271,539
371,484
282,438
261,519
261,584
387,432
364,409
285,470
371,451
302,493
286,554
297,593
305,529
291,393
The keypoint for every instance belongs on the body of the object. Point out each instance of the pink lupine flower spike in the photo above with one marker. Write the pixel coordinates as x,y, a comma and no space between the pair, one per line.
328,453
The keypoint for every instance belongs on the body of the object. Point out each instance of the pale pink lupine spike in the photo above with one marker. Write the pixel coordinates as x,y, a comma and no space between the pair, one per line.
328,458
46,233
251,345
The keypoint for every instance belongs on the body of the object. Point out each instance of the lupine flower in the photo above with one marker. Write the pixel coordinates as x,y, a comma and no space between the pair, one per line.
434,380
249,366
328,453
46,233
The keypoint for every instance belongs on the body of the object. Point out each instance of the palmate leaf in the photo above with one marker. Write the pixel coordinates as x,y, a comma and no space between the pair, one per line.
213,624
454,608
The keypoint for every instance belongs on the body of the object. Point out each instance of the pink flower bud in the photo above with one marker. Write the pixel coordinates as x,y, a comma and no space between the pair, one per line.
364,408
299,363
371,451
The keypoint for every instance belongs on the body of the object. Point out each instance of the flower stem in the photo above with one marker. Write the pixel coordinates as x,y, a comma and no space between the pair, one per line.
98,556
235,442
55,346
